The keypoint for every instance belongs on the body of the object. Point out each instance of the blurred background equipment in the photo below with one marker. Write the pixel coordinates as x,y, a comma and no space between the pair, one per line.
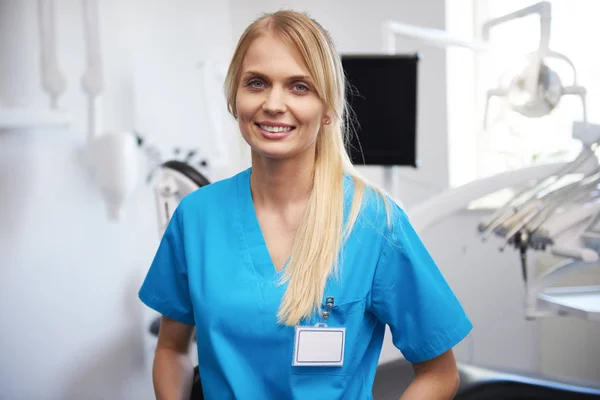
551,208
535,89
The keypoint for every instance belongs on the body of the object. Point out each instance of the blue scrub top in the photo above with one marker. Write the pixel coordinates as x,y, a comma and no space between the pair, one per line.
213,270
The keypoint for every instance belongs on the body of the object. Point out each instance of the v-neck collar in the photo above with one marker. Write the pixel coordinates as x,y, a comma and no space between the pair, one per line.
252,233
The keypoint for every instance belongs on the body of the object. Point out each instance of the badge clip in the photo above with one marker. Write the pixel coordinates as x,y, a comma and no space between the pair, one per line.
329,302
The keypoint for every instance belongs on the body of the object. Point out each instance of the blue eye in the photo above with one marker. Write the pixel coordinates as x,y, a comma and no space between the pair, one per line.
300,87
256,84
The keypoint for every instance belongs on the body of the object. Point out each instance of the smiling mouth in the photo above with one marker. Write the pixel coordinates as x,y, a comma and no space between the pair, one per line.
275,129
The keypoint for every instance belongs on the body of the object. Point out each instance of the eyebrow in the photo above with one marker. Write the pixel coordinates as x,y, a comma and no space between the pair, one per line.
291,78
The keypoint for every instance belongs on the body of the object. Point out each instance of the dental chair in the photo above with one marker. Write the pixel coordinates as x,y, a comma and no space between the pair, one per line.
479,383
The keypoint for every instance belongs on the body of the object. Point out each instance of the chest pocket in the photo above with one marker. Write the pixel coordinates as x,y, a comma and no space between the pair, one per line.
349,315
341,313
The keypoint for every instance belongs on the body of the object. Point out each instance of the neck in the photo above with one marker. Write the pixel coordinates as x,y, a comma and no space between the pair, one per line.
277,184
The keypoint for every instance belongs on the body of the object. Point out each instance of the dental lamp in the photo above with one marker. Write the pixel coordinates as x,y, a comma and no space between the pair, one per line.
534,91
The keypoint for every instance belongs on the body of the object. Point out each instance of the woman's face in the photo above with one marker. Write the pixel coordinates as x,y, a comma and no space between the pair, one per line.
279,112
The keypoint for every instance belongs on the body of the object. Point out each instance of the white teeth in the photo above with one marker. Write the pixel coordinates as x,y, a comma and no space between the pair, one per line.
275,129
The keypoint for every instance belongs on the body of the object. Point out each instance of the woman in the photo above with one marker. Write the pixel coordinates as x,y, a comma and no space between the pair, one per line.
291,269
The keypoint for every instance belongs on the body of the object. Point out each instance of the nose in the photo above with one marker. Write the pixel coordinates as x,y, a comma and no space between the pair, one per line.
275,102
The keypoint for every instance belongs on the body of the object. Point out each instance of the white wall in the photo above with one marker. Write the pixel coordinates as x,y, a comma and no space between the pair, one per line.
72,327
356,28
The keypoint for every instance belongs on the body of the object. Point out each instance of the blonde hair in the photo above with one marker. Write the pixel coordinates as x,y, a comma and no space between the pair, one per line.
322,231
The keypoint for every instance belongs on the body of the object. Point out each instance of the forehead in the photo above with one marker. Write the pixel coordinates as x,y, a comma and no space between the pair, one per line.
271,56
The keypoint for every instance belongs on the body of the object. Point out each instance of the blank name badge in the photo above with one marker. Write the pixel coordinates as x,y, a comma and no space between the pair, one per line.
319,346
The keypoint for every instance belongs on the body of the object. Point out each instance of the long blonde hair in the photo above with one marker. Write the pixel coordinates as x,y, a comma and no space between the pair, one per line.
322,231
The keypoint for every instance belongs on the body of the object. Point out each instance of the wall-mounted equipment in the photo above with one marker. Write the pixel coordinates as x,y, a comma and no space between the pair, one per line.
52,79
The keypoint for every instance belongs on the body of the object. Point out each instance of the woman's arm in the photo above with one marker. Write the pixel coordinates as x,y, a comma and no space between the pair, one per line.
173,371
436,379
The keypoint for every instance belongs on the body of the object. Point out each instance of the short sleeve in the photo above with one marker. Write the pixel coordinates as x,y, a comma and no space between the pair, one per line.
411,295
165,288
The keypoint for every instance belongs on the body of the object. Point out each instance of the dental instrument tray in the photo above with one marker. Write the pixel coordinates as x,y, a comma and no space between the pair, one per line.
577,301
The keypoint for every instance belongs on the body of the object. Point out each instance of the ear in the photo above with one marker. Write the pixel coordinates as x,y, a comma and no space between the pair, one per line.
326,120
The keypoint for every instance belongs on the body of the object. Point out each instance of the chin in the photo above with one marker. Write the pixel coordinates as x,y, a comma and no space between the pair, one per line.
275,152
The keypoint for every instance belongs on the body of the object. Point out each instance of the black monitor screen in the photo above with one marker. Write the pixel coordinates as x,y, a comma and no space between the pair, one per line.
383,99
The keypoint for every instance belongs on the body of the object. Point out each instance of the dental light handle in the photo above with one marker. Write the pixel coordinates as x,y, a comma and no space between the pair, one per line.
577,253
